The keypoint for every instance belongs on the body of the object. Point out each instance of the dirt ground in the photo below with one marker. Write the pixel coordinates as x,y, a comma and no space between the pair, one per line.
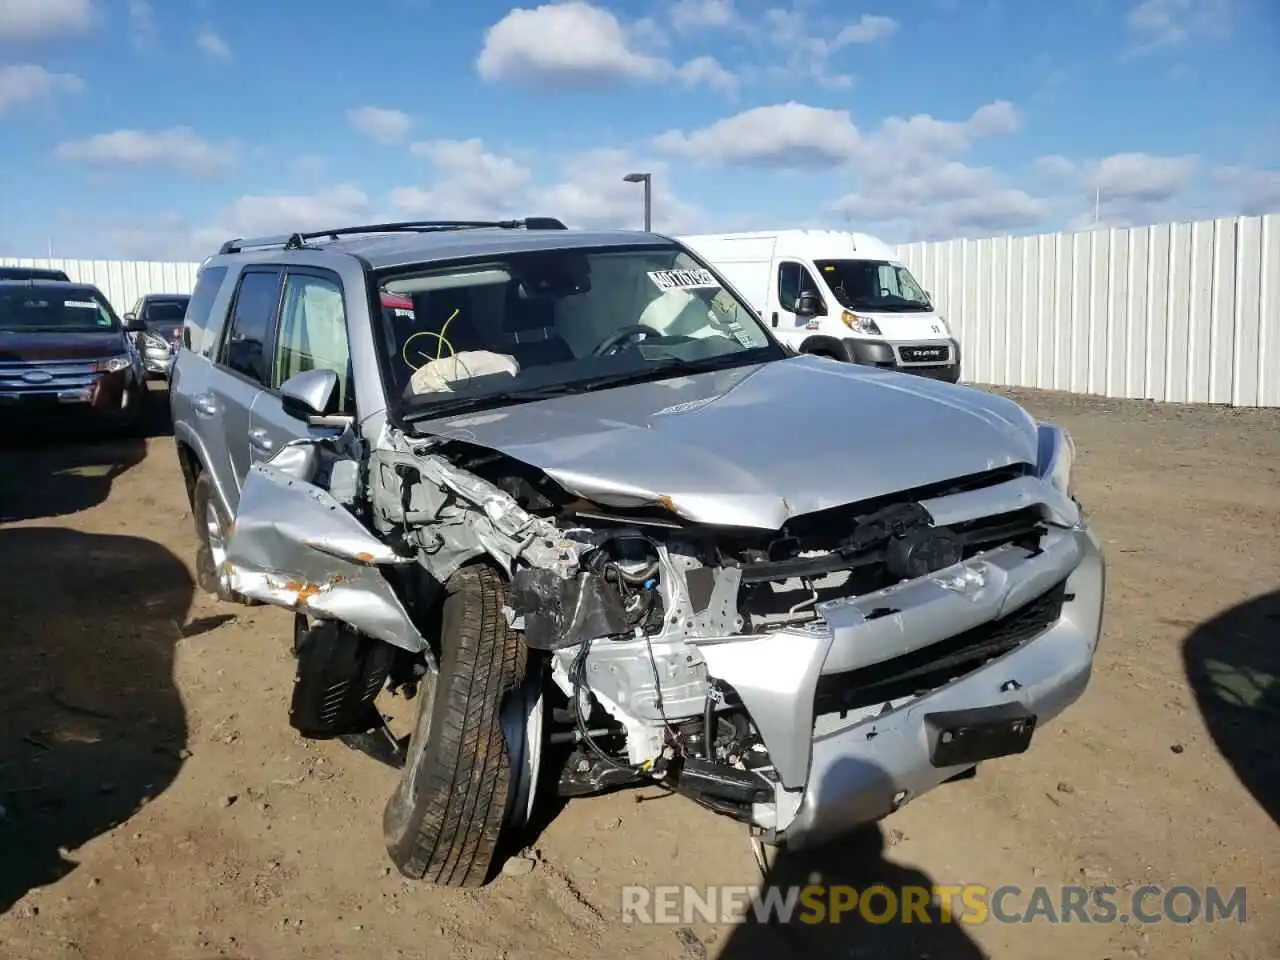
156,804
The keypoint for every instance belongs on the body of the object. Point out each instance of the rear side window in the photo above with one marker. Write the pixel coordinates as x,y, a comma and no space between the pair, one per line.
245,349
208,283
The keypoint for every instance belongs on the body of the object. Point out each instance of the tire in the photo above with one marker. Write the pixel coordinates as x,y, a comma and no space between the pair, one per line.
445,820
206,510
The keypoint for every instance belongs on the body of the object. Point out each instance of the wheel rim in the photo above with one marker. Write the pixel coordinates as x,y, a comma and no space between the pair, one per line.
522,729
213,533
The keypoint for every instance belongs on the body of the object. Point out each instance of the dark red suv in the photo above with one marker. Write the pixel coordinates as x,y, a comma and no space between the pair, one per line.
66,355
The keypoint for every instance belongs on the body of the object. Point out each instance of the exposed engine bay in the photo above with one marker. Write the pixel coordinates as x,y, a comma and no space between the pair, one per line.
705,657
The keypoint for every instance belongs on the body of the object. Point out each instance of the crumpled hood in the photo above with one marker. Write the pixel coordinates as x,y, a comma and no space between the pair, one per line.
756,445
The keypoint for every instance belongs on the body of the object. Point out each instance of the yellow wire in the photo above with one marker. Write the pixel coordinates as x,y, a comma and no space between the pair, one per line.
443,330
404,350
443,342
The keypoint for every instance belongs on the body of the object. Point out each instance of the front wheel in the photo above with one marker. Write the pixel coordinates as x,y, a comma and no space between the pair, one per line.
446,818
212,529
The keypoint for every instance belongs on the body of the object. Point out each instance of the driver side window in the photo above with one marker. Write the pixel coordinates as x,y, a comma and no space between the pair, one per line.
793,280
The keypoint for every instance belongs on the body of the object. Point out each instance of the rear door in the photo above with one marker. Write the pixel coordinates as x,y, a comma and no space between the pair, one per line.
311,334
243,365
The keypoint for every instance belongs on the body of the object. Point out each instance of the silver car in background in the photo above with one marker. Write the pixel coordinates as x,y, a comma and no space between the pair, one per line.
568,491
161,315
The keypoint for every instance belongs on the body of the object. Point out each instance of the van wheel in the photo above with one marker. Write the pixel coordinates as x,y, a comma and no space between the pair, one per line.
447,816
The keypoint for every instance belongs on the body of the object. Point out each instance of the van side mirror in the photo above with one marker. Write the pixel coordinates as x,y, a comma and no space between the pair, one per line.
809,304
312,393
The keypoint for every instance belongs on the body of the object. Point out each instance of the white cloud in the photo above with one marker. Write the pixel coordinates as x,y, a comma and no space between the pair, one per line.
472,182
1252,192
258,215
22,20
377,123
808,46
592,194
1123,189
212,45
1170,23
690,15
1136,177
868,29
797,135
179,148
142,24
948,200
22,84
780,135
575,44
707,72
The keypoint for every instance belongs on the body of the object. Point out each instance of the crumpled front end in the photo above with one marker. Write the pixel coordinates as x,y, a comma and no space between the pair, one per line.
800,680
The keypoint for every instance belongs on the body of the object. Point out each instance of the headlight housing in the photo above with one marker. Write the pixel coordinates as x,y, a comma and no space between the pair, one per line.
859,324
113,364
154,344
1055,456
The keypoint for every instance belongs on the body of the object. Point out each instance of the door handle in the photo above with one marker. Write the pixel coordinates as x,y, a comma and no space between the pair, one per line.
205,405
260,441
775,318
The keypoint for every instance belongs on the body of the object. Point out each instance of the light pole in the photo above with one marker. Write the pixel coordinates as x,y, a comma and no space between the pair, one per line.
647,180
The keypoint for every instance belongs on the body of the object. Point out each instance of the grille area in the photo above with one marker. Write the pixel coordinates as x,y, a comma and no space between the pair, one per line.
933,666
20,378
931,353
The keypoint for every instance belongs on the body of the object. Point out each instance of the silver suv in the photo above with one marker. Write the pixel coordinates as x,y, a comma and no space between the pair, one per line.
567,489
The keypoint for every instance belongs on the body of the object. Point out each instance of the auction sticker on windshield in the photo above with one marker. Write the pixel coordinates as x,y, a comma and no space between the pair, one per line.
684,279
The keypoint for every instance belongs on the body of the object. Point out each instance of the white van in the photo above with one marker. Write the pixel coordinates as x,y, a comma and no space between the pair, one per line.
841,295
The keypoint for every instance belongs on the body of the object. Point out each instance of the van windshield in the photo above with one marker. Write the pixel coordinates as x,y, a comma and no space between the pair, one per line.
874,285
523,326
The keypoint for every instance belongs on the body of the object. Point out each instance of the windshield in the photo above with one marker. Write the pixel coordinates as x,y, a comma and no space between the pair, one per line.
525,325
47,310
873,285
164,315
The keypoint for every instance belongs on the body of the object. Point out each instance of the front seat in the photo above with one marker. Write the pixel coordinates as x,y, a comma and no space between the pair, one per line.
530,335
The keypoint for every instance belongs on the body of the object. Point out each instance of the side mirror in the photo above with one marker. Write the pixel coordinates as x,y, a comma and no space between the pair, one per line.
133,324
809,304
312,393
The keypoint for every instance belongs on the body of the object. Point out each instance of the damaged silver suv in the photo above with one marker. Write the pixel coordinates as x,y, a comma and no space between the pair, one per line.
566,490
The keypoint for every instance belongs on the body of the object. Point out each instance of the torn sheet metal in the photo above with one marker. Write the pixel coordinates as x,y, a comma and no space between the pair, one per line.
295,546
559,612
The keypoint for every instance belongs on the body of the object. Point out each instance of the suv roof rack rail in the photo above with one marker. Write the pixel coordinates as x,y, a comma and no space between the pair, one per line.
296,241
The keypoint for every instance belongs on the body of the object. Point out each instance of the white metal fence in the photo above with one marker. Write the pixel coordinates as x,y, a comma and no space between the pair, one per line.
122,281
1184,312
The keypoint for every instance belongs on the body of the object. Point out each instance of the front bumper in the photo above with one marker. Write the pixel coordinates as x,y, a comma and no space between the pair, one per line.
893,355
74,395
156,364
837,773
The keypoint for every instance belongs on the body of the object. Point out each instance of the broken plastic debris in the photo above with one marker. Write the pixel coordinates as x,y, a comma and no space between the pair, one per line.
969,581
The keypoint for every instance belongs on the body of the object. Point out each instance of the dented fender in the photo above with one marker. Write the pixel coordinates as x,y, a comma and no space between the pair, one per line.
295,546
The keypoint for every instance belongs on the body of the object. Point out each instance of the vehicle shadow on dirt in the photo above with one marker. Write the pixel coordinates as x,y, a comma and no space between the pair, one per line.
885,927
64,471
1233,666
91,723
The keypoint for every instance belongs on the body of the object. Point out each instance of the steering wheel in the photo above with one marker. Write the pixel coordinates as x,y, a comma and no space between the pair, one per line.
613,341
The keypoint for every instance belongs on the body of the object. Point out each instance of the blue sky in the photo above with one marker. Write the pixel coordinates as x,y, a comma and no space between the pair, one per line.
157,129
